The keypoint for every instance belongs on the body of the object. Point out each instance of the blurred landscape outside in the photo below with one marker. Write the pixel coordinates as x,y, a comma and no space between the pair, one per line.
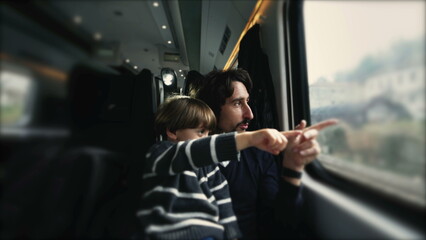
379,95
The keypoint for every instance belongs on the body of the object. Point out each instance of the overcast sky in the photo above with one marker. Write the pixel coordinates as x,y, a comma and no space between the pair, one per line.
340,33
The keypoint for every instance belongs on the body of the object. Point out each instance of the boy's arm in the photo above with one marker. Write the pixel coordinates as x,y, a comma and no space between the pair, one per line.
190,155
269,140
169,158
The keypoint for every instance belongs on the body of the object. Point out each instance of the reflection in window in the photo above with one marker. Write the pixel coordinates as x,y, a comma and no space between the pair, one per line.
366,47
14,92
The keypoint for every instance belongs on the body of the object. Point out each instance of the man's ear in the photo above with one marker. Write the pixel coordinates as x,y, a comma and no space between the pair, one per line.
170,135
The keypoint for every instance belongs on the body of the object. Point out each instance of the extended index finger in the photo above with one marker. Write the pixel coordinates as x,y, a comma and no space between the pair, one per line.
321,125
291,133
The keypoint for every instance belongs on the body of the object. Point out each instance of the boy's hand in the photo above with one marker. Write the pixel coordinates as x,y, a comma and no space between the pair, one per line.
269,140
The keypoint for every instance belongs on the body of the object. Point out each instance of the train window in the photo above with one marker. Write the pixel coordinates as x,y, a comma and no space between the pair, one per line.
365,62
15,92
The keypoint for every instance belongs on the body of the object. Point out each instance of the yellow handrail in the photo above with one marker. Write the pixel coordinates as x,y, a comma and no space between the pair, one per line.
254,17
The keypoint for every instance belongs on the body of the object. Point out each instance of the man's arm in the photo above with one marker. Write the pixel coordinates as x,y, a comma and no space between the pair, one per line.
304,148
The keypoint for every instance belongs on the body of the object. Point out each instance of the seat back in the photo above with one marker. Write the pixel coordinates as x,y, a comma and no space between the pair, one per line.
71,189
82,183
193,82
126,224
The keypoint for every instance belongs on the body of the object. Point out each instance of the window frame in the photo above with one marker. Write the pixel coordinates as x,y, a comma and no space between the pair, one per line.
299,108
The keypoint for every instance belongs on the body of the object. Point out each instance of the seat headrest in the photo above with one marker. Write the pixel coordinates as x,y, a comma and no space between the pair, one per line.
193,81
98,96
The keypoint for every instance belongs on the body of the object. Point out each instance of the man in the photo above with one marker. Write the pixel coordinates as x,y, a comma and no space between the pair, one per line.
259,194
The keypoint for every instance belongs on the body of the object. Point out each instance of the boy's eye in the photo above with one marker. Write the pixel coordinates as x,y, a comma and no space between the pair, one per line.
203,132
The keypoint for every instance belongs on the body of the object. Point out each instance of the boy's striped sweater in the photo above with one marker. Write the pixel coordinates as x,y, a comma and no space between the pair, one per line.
185,195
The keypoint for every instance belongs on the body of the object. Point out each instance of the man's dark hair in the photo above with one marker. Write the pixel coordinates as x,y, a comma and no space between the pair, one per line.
217,87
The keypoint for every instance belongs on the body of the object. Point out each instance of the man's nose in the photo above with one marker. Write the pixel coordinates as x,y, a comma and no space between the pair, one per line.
247,114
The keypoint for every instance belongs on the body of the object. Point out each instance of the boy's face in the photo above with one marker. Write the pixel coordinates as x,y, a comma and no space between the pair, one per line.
191,133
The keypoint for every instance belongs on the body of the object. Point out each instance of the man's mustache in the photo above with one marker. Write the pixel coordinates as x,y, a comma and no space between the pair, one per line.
245,121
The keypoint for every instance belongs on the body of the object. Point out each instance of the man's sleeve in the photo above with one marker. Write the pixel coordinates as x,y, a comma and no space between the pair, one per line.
280,201
289,202
288,208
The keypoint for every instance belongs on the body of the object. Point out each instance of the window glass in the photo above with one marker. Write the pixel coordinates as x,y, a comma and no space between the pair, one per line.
14,97
366,67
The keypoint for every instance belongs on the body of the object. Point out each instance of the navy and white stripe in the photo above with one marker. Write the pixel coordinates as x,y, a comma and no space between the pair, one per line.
185,194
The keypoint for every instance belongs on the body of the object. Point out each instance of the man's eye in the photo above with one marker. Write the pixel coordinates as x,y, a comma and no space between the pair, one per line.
238,103
202,131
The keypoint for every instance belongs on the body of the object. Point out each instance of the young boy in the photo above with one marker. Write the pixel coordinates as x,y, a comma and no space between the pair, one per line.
185,195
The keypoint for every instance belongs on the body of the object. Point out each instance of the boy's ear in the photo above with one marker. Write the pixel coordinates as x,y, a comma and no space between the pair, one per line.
172,136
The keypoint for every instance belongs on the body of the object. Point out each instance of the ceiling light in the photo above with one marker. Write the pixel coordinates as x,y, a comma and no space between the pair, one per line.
164,27
135,67
168,76
155,4
97,36
169,42
77,19
127,60
181,75
168,79
180,70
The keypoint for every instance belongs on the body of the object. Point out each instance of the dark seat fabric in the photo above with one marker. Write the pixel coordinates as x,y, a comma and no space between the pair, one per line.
82,187
126,224
25,184
101,107
60,195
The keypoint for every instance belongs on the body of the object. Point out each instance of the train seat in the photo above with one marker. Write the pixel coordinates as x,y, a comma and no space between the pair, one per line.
77,185
193,81
142,136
